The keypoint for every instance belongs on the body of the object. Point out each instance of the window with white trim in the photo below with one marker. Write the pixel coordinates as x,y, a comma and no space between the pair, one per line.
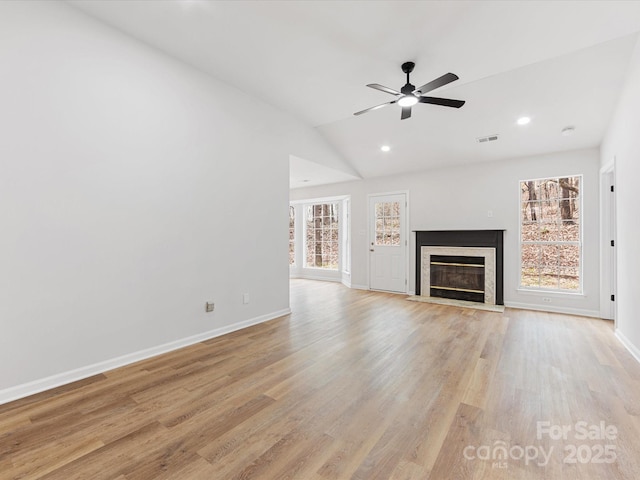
387,227
292,235
551,234
346,236
321,233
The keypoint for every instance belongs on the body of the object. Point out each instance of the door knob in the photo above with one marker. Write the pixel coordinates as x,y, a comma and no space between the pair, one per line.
371,250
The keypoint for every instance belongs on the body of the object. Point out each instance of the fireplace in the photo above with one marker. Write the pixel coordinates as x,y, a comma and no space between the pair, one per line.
470,276
457,277
460,264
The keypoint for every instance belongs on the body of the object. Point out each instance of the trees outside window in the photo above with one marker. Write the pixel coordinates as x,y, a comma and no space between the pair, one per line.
292,235
550,234
387,227
322,243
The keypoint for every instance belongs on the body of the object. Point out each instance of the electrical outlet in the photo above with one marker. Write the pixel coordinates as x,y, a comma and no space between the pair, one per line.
490,213
546,299
245,298
209,307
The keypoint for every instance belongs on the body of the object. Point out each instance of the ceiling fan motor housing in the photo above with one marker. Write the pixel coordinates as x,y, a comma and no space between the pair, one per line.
408,89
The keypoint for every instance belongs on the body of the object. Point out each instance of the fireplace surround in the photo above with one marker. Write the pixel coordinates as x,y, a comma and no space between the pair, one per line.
460,283
461,247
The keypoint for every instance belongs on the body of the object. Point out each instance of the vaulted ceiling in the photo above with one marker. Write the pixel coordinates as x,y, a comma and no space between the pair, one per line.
561,63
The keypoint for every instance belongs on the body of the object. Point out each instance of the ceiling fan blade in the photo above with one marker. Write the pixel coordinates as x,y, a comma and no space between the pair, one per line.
375,108
445,102
437,83
382,88
406,113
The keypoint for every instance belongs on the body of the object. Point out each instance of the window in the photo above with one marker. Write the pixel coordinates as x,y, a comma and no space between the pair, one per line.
320,238
292,235
550,234
322,247
387,223
346,235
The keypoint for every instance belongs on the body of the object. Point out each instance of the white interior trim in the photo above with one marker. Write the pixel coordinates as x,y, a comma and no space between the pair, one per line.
607,233
553,309
321,278
633,350
20,391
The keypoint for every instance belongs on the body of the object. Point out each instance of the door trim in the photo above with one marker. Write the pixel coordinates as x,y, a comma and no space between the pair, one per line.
407,231
608,261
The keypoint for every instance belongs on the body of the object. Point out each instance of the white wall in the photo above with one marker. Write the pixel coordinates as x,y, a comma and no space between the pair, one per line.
623,142
459,198
133,189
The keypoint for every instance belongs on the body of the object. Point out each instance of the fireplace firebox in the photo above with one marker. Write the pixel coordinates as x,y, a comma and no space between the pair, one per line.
457,277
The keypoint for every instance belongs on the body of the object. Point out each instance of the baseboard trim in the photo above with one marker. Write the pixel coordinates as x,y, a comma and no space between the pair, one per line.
554,309
37,386
359,287
320,278
632,349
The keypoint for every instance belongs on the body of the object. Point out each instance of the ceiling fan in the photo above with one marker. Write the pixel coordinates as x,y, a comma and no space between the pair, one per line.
409,95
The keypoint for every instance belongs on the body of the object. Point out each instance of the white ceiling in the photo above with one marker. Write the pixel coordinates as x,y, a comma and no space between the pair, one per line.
561,63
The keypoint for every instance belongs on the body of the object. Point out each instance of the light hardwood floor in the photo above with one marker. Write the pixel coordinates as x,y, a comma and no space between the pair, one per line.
352,385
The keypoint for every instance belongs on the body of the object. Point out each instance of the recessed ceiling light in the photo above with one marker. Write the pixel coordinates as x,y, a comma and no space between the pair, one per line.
385,148
566,131
523,120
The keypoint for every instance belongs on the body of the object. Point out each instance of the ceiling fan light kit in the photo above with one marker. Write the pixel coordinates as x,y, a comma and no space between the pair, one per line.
409,95
408,101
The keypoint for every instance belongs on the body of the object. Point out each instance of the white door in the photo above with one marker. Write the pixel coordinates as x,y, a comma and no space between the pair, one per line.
388,242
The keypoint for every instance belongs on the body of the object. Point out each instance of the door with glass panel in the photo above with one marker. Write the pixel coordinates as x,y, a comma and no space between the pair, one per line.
387,243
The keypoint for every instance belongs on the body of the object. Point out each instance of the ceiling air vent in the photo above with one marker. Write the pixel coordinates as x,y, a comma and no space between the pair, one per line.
488,138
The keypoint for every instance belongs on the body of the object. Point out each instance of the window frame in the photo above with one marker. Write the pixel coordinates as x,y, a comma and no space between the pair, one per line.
292,241
305,213
542,290
394,238
345,238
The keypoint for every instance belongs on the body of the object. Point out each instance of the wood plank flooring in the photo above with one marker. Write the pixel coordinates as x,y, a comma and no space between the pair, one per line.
351,385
